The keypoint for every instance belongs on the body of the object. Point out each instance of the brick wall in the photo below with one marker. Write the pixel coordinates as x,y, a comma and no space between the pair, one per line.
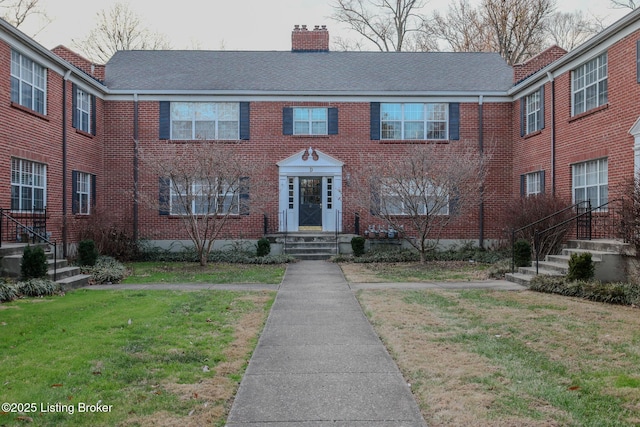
316,40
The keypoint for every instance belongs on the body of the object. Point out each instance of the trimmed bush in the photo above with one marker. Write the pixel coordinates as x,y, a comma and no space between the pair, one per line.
264,247
581,267
107,270
522,253
610,293
87,253
357,245
34,263
37,287
7,292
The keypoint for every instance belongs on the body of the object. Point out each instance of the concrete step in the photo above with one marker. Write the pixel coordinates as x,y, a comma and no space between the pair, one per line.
74,282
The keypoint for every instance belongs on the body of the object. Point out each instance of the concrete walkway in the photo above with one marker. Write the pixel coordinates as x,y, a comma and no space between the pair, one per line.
319,362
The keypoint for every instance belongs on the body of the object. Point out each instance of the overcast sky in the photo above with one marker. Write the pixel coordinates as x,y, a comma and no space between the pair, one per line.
228,24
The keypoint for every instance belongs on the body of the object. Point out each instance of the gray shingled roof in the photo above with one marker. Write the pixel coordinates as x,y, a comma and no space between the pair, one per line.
298,72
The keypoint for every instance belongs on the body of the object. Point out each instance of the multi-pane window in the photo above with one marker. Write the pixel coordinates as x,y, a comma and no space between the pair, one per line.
533,183
310,121
83,193
411,198
533,113
83,111
204,198
205,120
589,85
28,83
591,182
414,121
28,185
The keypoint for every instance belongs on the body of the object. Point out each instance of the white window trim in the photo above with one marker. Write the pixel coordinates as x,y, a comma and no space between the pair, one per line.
29,175
388,191
600,164
425,121
196,191
37,70
310,121
83,98
533,183
533,104
83,189
216,120
579,84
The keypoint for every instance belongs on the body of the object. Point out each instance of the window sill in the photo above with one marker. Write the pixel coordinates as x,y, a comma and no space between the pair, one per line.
413,141
29,111
532,134
209,141
310,136
588,113
83,133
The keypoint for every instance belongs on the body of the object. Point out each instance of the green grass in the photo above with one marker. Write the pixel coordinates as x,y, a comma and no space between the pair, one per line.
116,347
188,272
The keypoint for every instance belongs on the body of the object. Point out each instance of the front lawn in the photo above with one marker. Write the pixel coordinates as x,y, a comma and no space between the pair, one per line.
432,271
150,358
214,272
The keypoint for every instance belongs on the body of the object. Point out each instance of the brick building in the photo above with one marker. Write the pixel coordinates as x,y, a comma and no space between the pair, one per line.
73,133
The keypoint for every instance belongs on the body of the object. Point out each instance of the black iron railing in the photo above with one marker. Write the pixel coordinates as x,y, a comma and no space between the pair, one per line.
27,227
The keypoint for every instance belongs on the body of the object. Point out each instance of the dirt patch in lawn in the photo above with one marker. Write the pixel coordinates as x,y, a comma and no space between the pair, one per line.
454,348
432,271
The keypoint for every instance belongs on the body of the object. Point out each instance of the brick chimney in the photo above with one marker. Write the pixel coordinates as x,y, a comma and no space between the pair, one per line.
303,40
538,62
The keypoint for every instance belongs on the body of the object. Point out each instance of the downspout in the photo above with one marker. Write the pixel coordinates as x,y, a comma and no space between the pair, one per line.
481,149
135,167
64,162
553,133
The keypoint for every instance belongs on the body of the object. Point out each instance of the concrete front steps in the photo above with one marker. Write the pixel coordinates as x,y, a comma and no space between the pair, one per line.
309,245
607,255
68,277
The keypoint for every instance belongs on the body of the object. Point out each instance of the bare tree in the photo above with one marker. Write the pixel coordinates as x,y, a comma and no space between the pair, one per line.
118,28
16,12
388,24
570,29
518,26
204,184
463,29
423,189
624,4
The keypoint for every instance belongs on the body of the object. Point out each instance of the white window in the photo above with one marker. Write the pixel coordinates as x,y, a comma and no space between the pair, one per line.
204,198
589,85
28,185
591,182
205,120
83,111
413,198
28,83
533,183
414,121
533,114
310,121
83,193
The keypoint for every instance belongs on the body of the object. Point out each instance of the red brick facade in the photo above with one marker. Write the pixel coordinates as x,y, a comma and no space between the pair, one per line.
109,152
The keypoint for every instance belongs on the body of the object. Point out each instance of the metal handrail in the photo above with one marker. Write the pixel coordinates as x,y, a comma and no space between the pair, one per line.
588,213
515,231
34,235
338,230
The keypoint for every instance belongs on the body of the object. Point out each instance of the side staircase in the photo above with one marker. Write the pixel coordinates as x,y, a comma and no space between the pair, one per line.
607,255
308,245
67,276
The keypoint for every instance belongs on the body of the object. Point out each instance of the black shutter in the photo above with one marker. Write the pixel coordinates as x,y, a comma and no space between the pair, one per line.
454,121
332,115
542,182
165,120
245,115
244,196
93,191
74,105
164,196
93,115
523,124
75,198
287,121
523,185
541,112
375,121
